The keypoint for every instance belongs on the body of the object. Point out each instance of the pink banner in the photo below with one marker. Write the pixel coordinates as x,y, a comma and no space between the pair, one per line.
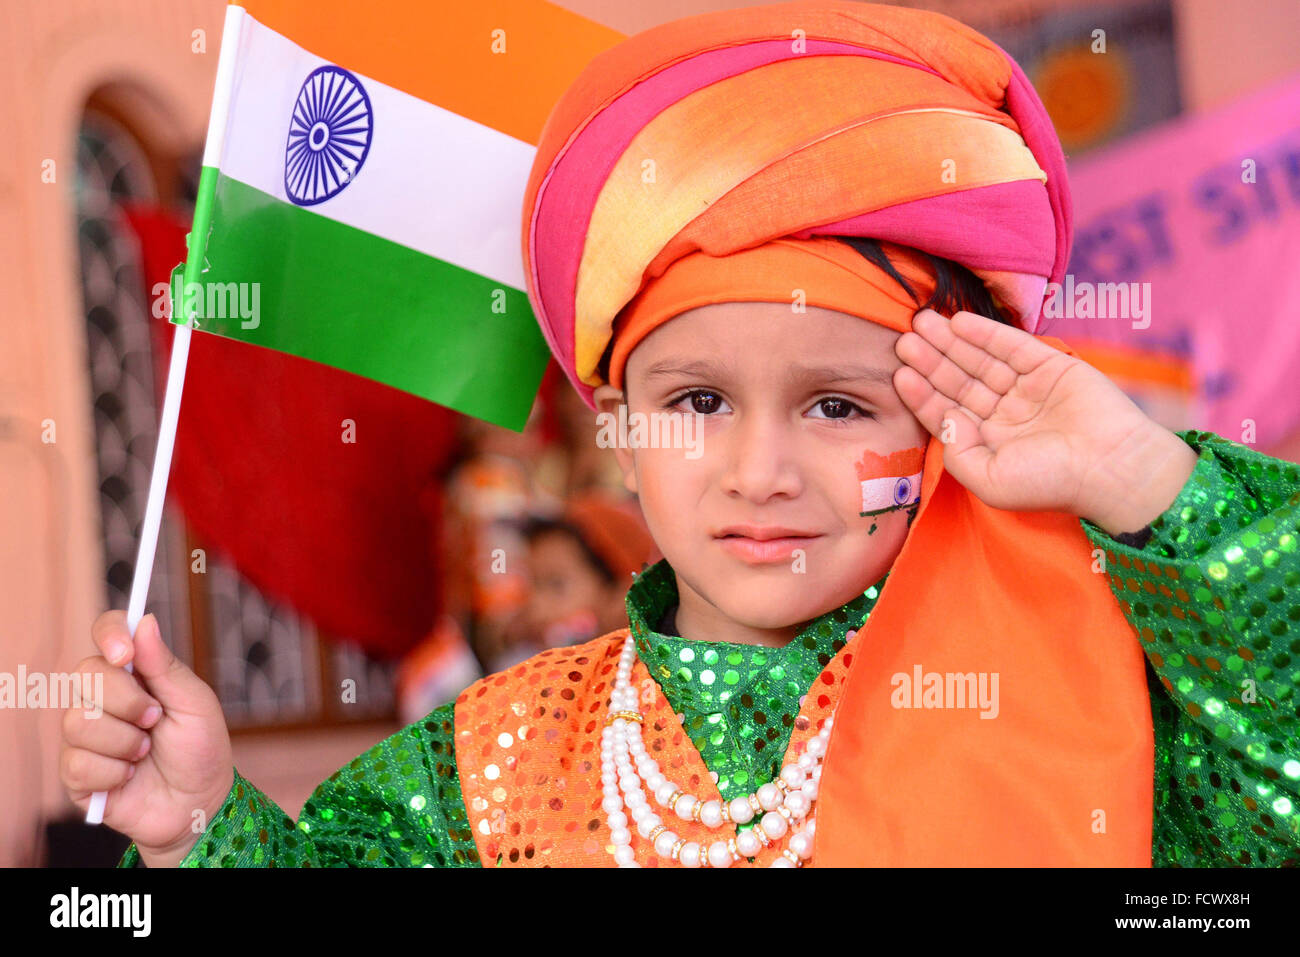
1195,226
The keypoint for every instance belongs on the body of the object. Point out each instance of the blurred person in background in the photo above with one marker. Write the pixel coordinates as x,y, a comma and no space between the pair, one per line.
589,465
580,566
435,671
489,493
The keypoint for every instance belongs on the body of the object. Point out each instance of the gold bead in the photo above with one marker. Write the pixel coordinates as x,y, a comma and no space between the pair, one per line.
655,832
677,849
731,846
791,855
672,801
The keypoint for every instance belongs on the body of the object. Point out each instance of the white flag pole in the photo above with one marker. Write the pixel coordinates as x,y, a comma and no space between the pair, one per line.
162,463
162,460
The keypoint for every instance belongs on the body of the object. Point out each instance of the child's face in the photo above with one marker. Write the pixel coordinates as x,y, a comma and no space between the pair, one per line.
564,586
787,404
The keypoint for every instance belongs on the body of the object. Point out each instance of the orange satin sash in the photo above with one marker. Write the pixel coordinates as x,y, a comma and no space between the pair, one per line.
1063,775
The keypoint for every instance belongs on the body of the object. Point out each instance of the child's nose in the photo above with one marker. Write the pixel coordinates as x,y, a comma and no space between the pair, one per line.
761,460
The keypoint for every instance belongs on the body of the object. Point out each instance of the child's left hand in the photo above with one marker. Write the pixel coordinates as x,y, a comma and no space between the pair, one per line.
1037,429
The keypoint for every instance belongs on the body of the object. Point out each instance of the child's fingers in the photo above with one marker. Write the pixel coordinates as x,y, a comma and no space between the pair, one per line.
112,637
965,454
104,734
82,770
945,375
927,403
964,431
122,695
916,392
1018,349
970,358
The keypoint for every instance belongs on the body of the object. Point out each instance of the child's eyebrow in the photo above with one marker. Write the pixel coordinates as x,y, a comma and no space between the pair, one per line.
802,375
797,374
700,368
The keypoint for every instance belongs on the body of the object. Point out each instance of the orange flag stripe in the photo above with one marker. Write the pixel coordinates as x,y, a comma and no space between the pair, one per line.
902,462
443,52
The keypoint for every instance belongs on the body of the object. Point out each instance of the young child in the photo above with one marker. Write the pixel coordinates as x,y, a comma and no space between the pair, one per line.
580,565
934,592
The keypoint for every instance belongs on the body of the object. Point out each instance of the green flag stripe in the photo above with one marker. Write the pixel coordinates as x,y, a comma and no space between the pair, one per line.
344,297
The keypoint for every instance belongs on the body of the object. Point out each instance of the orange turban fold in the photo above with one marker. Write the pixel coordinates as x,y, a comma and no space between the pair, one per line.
831,274
707,160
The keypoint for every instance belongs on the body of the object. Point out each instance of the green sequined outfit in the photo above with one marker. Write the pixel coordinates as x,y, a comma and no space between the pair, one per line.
1214,596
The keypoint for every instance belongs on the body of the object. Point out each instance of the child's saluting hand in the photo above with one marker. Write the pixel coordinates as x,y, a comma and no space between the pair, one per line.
1037,429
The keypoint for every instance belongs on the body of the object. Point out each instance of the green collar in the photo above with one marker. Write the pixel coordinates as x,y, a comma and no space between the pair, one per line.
742,683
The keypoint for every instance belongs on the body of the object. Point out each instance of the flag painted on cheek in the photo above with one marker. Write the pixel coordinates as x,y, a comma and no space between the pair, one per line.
890,481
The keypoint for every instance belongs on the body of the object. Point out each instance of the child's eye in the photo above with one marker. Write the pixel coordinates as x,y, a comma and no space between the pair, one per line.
837,407
702,402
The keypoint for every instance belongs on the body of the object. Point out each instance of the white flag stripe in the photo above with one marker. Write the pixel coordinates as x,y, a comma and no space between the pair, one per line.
432,180
890,491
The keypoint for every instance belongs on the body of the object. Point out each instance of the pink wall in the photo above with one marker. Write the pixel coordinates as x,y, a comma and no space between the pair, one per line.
1227,49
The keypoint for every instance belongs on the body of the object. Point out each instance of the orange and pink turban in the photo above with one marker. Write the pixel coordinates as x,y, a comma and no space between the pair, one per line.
710,159
719,132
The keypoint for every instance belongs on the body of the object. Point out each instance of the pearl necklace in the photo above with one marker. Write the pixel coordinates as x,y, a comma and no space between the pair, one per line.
787,801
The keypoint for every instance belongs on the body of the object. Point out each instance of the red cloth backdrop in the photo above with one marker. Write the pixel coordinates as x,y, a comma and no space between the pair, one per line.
344,533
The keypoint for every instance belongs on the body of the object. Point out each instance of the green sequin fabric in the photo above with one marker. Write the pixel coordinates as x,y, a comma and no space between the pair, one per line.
1215,599
737,702
1212,596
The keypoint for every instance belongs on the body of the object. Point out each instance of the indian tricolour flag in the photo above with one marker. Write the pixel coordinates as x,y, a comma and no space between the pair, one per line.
890,481
362,185
361,198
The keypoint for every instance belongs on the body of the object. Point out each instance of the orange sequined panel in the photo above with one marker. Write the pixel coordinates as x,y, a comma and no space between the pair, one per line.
528,757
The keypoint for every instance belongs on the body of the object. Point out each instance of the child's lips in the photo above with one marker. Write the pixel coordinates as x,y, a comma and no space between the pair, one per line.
757,552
